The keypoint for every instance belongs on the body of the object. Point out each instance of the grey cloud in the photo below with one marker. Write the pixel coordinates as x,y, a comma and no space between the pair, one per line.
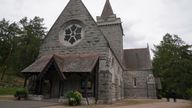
144,21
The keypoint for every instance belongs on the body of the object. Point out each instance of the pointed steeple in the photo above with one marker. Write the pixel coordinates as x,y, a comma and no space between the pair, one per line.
107,11
111,26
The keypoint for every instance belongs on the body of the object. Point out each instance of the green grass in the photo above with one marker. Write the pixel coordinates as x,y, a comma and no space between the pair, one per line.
10,84
8,90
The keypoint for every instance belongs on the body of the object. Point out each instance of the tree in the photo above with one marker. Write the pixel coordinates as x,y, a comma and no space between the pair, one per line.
32,33
8,33
19,43
173,64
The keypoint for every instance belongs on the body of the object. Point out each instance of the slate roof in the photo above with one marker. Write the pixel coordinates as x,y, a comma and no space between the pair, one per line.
65,63
137,59
39,65
107,11
76,62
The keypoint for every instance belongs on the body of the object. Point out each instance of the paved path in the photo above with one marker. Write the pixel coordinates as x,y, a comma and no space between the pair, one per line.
157,105
160,104
25,104
122,104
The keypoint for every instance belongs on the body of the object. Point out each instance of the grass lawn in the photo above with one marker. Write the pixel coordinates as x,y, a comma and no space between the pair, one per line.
10,84
9,90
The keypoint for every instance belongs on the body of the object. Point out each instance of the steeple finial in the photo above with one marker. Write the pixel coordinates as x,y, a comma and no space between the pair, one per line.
107,11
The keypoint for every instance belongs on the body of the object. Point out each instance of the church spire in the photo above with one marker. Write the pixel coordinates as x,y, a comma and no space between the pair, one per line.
107,11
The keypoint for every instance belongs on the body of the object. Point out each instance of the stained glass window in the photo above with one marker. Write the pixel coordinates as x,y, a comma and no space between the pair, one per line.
73,33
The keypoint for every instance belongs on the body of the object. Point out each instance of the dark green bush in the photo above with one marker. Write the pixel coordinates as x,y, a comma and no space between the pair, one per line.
74,98
21,93
159,96
189,93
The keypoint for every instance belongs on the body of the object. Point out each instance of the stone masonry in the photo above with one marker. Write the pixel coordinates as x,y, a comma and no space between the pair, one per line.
104,38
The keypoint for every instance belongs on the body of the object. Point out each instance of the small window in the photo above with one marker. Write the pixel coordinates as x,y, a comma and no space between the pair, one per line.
134,82
83,84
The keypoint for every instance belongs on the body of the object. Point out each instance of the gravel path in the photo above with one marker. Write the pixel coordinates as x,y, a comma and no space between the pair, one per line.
10,103
25,104
160,104
157,105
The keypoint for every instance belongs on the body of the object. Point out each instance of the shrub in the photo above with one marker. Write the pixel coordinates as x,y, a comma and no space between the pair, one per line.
189,93
74,98
159,96
21,93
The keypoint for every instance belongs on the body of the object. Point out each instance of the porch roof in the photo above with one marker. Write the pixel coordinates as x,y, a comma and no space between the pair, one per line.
66,63
76,62
39,65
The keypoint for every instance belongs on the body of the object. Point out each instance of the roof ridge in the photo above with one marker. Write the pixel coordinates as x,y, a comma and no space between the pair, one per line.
135,49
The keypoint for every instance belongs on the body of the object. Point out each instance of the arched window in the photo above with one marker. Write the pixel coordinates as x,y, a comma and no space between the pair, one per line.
134,82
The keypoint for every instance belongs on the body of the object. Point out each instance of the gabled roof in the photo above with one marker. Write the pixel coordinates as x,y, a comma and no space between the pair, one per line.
76,62
65,63
137,59
107,11
39,65
74,11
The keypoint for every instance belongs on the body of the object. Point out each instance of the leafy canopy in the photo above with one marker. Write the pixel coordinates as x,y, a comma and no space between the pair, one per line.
173,64
19,43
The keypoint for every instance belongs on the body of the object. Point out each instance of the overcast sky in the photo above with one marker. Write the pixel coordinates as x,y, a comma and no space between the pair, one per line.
144,21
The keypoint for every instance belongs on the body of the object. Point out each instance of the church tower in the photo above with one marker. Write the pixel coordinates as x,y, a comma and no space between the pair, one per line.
112,28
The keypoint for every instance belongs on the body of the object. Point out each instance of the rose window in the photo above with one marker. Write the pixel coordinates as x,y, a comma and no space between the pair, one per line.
73,34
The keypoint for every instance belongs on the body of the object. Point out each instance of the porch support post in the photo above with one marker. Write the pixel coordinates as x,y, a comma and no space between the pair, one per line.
62,86
25,82
86,87
40,86
96,82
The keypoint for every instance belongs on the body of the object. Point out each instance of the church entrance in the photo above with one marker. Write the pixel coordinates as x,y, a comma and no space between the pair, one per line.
54,76
51,83
82,82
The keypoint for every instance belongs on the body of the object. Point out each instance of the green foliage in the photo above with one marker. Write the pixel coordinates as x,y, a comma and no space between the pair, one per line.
173,64
189,93
74,98
19,44
21,93
8,90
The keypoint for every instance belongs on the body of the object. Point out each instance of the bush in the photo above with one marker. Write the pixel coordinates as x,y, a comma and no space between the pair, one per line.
159,96
189,93
74,98
21,93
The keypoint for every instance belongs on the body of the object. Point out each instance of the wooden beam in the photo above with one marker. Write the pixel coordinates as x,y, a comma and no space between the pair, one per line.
86,89
25,82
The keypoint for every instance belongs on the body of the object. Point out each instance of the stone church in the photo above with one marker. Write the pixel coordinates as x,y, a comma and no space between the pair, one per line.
82,54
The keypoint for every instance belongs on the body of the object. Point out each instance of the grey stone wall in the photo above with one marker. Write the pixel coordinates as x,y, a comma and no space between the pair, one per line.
111,80
117,78
93,40
104,91
143,88
112,29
